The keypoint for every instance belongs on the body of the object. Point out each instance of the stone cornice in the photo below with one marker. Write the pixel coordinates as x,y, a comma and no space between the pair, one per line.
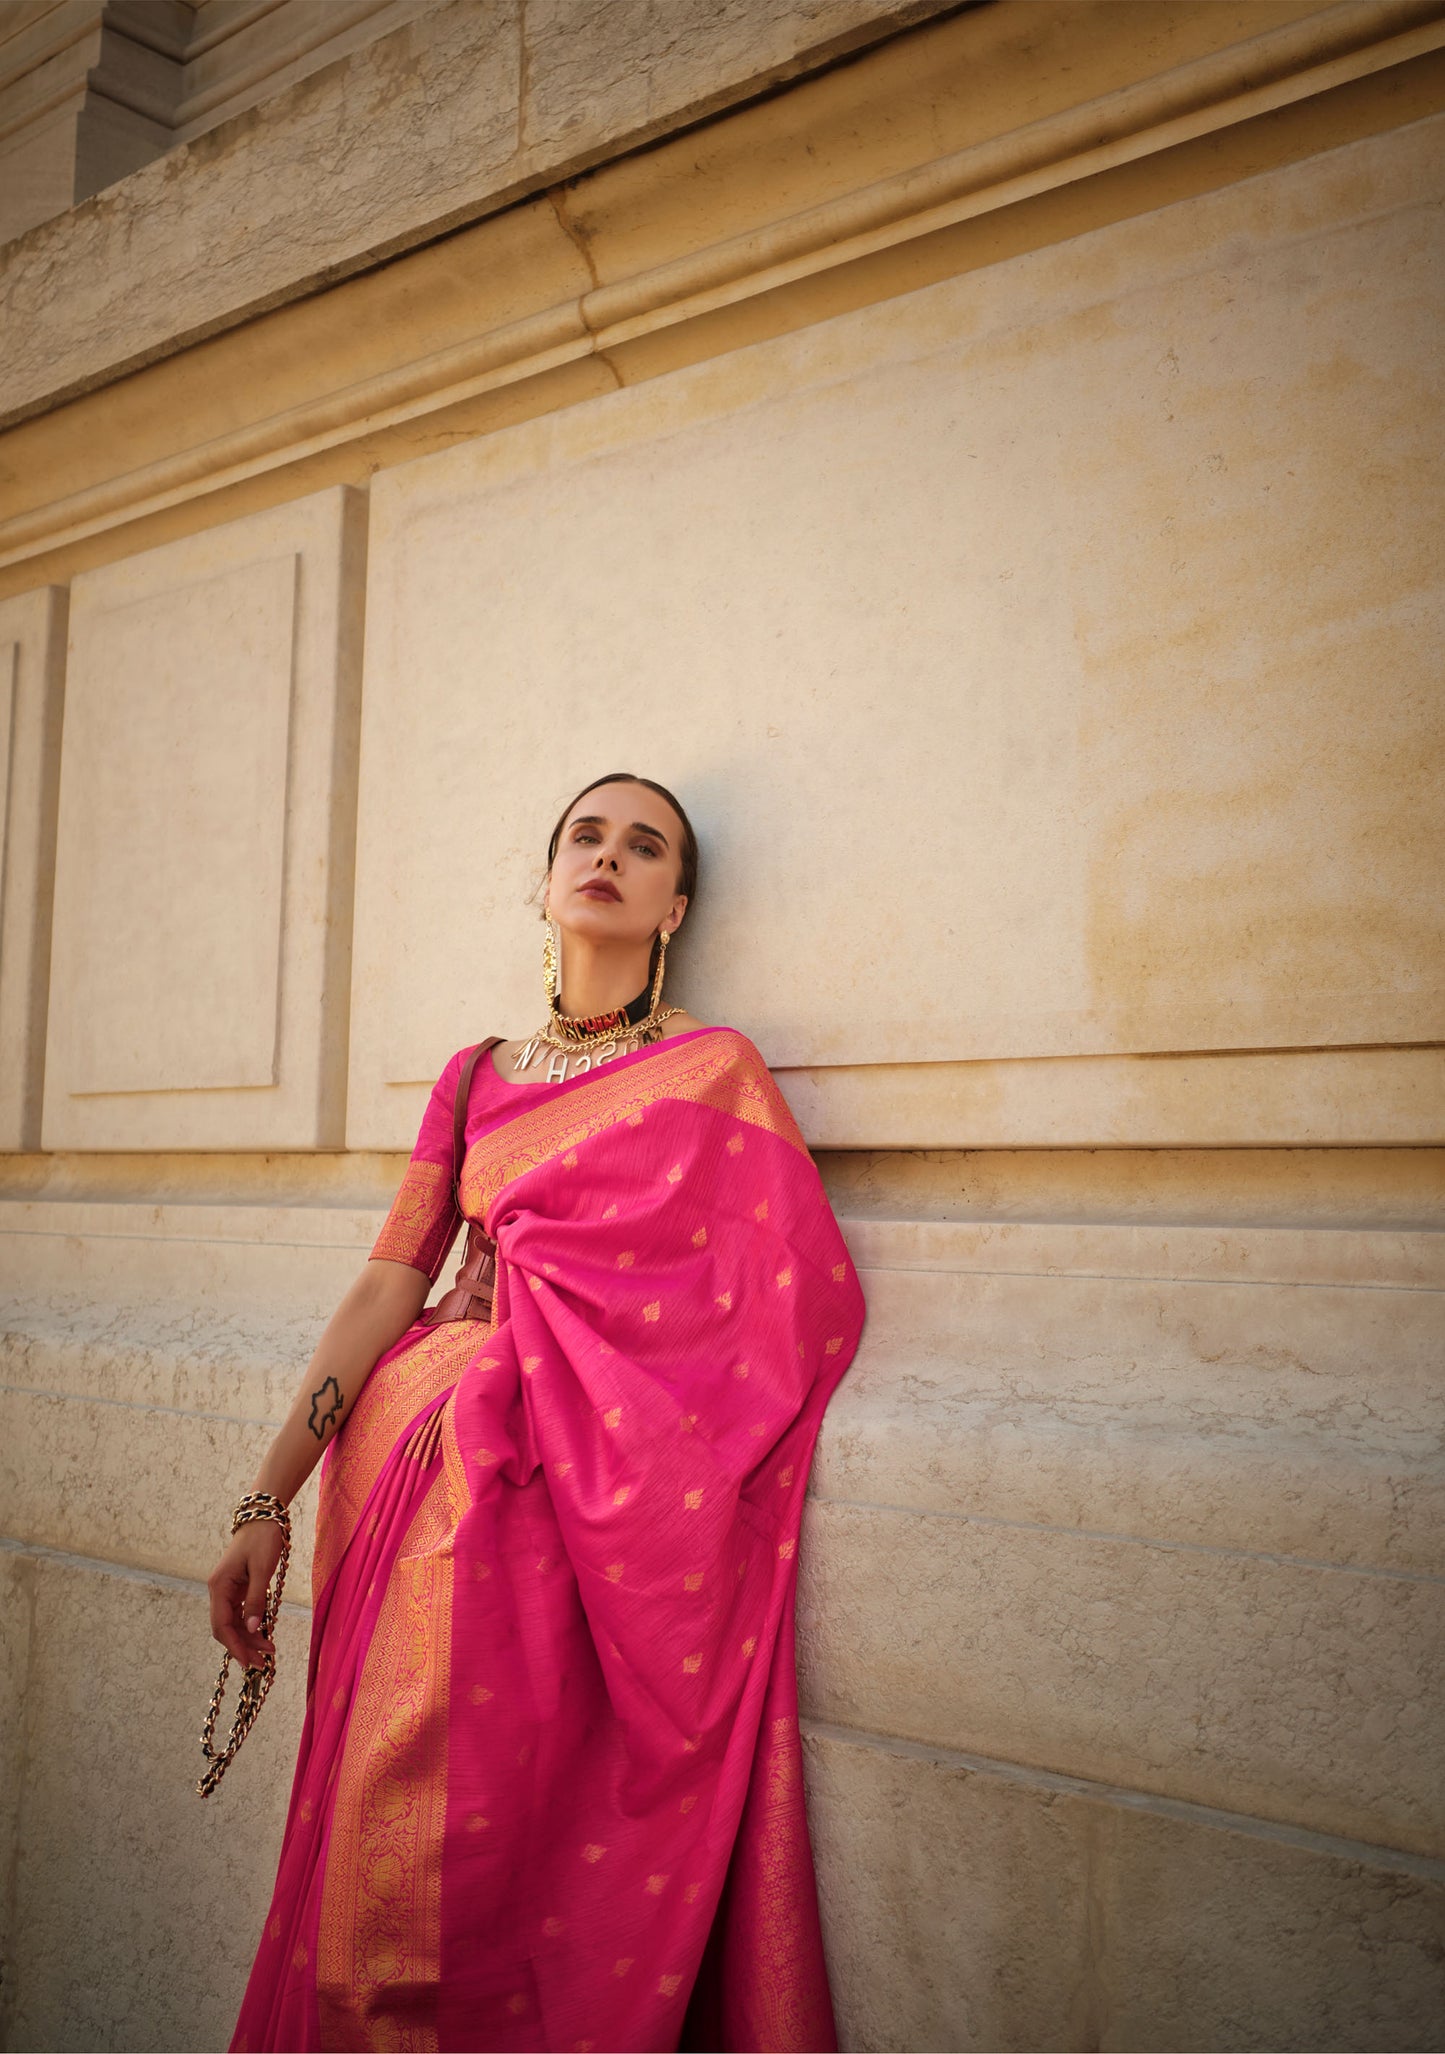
591,230
461,110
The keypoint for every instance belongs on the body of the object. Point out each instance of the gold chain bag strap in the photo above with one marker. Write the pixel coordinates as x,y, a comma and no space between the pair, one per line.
471,1295
256,1681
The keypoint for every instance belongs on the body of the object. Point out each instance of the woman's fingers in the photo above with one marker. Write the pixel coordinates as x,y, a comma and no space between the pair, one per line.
254,1616
238,1586
227,1590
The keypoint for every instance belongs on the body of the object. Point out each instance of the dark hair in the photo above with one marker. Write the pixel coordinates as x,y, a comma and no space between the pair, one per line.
686,855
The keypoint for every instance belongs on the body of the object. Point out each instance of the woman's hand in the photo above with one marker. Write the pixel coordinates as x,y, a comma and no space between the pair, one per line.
238,1585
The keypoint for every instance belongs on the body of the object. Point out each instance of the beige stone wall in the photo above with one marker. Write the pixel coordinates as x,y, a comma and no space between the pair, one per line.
991,479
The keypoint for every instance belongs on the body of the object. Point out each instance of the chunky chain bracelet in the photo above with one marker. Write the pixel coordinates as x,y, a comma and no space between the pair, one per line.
256,1681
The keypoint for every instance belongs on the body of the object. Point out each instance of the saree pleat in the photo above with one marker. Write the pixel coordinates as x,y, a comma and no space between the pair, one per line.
549,1792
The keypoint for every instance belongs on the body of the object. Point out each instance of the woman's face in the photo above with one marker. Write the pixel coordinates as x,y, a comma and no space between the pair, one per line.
614,877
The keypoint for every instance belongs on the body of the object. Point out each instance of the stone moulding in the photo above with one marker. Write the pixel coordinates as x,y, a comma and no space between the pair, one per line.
1271,71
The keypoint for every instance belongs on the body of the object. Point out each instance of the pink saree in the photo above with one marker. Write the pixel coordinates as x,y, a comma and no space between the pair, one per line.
549,1792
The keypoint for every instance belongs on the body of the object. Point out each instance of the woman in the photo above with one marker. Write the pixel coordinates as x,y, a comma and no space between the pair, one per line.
549,1792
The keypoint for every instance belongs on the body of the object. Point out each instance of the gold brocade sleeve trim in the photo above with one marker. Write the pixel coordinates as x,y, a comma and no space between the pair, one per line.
420,1213
719,1069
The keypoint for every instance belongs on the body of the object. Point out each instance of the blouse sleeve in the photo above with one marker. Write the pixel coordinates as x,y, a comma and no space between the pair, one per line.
423,1221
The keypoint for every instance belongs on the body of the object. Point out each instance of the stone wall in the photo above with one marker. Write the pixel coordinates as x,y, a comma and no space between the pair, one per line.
988,478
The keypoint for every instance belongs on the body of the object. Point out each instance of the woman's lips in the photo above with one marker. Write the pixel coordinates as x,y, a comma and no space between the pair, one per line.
599,891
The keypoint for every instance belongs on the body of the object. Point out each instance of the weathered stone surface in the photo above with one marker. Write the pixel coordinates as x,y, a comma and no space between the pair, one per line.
1139,1527
441,121
83,1472
1303,1694
955,1905
969,1907
136,1918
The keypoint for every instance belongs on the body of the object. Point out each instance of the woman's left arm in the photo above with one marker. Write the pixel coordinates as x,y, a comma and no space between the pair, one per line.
376,1311
379,1305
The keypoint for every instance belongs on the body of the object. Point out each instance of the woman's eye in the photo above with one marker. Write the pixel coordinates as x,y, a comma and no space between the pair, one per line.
644,848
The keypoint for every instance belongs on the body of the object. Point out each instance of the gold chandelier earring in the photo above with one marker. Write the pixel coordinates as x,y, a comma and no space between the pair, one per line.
661,970
551,968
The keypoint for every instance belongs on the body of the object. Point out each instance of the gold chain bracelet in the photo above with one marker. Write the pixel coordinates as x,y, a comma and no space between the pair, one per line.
258,1680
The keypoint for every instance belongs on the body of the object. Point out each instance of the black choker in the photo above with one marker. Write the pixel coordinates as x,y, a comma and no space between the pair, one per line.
616,1022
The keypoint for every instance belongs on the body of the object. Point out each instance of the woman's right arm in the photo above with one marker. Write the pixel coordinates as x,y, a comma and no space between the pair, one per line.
376,1311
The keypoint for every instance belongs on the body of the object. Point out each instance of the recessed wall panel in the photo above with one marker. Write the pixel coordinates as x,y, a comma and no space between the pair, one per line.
180,714
203,894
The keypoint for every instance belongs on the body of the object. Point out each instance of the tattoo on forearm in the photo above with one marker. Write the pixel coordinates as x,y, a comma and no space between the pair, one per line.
326,1407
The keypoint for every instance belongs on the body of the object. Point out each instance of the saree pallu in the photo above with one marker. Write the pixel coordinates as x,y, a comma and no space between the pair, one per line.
549,1793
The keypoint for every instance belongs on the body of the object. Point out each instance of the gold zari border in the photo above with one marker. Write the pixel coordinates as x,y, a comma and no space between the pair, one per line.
381,1900
719,1069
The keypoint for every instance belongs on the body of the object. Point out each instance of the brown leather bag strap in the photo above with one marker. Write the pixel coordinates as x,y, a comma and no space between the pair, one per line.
459,1115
